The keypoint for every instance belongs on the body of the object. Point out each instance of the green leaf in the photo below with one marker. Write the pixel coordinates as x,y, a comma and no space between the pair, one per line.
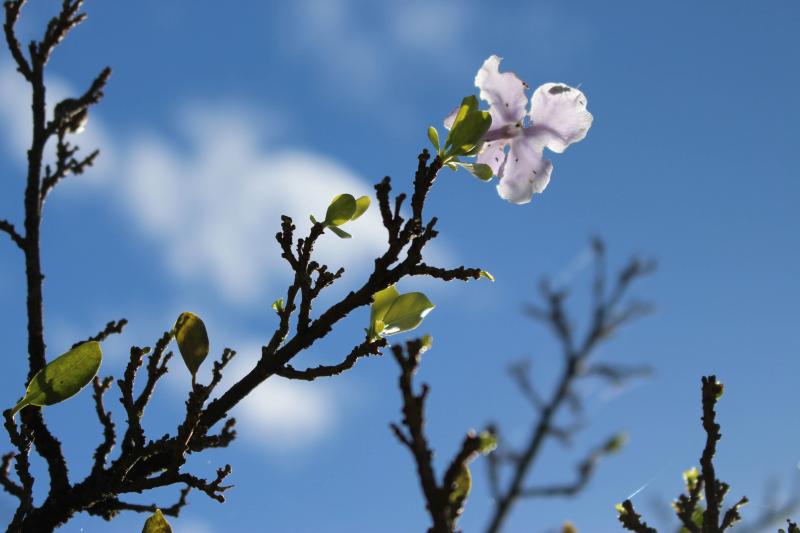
362,204
277,305
487,275
691,478
381,302
488,442
63,377
433,135
615,443
469,127
342,234
192,338
427,343
620,509
479,170
157,524
406,313
461,488
341,210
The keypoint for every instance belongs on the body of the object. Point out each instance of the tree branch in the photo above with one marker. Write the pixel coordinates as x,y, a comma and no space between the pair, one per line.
8,228
604,319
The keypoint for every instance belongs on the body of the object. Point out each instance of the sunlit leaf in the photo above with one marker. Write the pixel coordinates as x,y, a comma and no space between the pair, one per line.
433,135
381,301
479,170
277,305
157,523
488,442
192,338
426,343
406,312
341,210
487,275
691,477
469,127
362,204
63,377
342,234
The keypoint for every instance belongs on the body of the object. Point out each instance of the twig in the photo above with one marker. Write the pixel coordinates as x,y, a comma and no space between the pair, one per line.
605,318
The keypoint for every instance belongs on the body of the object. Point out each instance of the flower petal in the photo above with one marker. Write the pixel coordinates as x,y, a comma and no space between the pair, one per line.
525,171
505,93
449,119
493,154
559,115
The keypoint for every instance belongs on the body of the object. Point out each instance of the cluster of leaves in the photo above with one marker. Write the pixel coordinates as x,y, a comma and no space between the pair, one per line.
465,139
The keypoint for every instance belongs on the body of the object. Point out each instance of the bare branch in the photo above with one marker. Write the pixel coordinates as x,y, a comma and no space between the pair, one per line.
364,349
114,327
109,435
605,315
12,9
8,228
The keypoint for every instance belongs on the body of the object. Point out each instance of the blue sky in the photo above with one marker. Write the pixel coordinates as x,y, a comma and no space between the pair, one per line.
216,122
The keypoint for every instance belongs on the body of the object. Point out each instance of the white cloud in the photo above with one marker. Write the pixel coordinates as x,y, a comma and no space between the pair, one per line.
281,415
216,206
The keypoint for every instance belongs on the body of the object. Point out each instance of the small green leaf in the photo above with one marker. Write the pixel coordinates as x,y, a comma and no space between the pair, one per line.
406,313
277,305
469,127
63,377
461,488
157,523
313,220
620,509
487,275
433,135
479,170
342,234
615,443
488,442
691,478
192,338
381,302
341,210
426,343
362,204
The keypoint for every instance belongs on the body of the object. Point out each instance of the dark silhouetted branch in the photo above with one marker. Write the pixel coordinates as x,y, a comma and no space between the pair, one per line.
608,313
445,500
8,228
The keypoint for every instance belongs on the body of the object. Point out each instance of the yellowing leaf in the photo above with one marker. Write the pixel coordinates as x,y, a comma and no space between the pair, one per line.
192,339
63,377
157,523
